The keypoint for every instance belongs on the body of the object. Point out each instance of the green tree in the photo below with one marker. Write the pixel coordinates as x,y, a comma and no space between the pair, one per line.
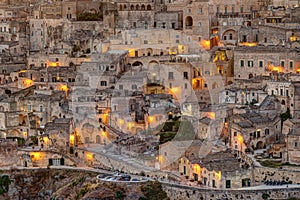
119,194
153,191
4,183
265,196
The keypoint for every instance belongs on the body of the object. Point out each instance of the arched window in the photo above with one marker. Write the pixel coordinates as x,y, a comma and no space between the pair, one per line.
148,7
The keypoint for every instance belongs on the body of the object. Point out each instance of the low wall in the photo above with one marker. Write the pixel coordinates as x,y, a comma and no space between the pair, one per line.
262,174
185,192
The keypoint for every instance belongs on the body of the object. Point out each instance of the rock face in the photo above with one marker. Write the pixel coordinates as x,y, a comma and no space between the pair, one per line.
54,184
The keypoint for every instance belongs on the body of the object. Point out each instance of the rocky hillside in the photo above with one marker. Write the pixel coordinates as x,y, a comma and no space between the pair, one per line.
45,184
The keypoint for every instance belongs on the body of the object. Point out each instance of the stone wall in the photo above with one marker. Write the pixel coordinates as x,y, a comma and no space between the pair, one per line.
185,192
262,174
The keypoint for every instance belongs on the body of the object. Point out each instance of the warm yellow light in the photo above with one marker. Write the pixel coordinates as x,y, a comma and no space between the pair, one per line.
28,82
22,71
240,139
205,44
211,115
294,38
151,119
131,53
130,125
25,134
53,64
197,168
218,175
104,134
105,118
90,156
277,69
72,139
36,156
248,44
121,122
46,140
64,88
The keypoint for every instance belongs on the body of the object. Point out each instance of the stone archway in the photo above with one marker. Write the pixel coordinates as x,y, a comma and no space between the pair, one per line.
188,22
259,145
250,76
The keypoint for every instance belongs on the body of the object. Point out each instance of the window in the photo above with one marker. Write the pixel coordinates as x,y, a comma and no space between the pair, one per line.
242,63
164,25
296,144
171,76
258,133
260,63
291,64
145,41
235,134
154,25
225,9
173,25
189,10
41,108
267,132
200,10
228,184
282,63
281,92
185,86
103,83
214,183
177,41
205,85
242,9
287,93
120,87
250,63
170,85
232,9
185,75
134,87
199,24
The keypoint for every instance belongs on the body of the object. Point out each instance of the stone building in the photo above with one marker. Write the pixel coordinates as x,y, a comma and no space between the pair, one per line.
222,170
254,61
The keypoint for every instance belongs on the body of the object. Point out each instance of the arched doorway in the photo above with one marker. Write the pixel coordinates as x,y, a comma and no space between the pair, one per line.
259,145
188,22
98,139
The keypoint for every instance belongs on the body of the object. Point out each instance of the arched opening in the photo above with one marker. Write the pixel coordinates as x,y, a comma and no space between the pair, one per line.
93,11
283,102
137,7
149,52
98,139
188,22
214,85
125,7
259,145
143,7
120,8
132,7
250,76
148,7
86,140
137,63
